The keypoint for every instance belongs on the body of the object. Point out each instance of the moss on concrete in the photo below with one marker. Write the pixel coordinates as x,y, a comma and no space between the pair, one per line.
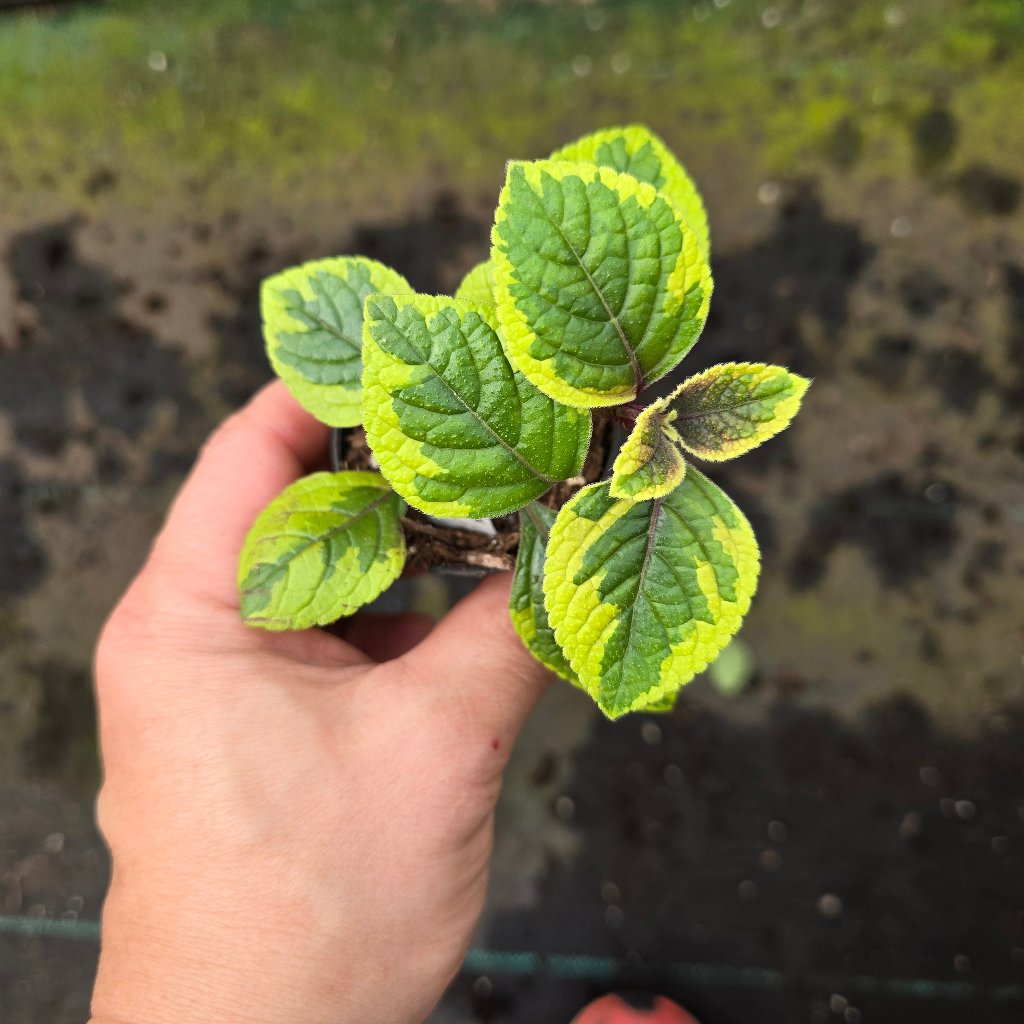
266,100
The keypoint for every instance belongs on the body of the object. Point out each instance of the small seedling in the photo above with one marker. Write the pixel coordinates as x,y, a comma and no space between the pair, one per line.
477,405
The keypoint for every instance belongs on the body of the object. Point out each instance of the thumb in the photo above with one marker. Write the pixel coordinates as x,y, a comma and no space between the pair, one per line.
474,653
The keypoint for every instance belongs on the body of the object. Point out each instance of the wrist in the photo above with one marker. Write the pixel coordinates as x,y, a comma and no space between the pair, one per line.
210,965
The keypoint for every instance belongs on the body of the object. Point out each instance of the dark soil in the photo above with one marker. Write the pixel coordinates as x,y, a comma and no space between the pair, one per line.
846,857
903,529
21,557
121,379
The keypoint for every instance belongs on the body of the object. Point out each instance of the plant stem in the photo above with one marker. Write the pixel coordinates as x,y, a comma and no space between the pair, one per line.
627,414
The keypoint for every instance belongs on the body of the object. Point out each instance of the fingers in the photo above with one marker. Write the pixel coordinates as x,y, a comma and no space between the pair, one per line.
384,637
248,461
475,656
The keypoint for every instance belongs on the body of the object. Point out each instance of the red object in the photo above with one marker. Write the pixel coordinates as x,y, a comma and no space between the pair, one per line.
630,1009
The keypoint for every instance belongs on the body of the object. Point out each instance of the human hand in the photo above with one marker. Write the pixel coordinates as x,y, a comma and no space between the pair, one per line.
300,825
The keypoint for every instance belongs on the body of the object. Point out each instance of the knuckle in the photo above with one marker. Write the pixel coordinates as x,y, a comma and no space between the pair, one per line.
104,812
127,630
117,819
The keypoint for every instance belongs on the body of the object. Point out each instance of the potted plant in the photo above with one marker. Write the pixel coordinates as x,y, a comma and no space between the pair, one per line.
494,404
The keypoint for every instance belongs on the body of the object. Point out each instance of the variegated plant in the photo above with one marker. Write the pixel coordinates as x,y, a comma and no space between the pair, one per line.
475,406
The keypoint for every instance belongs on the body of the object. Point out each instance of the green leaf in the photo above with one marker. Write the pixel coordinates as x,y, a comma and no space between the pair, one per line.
649,464
664,706
313,327
526,605
729,409
326,545
600,285
478,285
636,150
643,595
456,431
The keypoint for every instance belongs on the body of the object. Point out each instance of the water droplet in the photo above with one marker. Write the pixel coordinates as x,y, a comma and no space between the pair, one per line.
582,65
851,1015
621,63
54,842
157,61
701,11
482,987
830,905
771,860
911,825
673,775
895,16
936,493
614,917
769,192
595,20
747,889
900,227
777,832
610,892
930,776
771,17
565,808
837,1003
964,809
651,733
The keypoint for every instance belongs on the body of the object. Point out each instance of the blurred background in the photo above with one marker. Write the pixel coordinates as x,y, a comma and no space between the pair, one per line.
830,827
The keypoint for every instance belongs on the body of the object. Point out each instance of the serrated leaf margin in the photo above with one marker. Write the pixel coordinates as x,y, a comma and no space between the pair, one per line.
650,439
583,634
783,411
333,404
691,270
678,186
